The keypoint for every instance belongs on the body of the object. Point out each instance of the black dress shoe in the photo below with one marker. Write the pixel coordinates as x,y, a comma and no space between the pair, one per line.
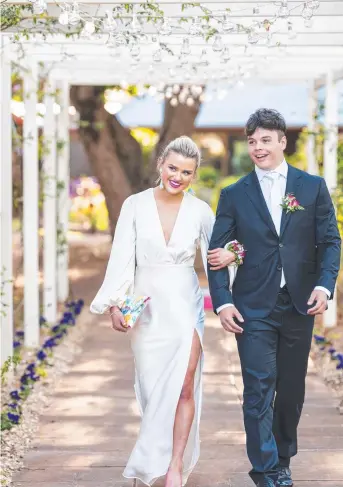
284,478
266,482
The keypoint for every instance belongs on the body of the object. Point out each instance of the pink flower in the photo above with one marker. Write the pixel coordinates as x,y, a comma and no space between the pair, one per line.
290,203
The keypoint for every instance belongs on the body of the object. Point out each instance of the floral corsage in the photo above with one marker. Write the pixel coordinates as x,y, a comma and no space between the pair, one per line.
238,249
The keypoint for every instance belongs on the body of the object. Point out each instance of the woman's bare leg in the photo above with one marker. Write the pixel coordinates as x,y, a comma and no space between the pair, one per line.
183,417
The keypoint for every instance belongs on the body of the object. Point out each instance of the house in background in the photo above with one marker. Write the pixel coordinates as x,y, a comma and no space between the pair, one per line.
219,127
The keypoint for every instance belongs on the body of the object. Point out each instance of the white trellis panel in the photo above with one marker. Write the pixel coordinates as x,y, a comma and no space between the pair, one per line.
6,286
63,196
30,206
50,205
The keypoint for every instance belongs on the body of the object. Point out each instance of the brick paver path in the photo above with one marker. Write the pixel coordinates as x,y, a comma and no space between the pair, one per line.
86,435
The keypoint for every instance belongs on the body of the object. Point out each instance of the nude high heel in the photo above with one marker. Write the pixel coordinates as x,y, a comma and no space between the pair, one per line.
134,483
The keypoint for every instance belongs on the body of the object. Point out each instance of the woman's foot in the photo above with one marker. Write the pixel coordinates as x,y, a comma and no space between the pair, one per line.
174,475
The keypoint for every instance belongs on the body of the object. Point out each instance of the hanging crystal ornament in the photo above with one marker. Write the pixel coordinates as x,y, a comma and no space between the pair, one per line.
227,25
165,29
120,39
256,10
284,10
217,45
64,15
195,29
225,55
314,4
253,37
135,50
111,41
135,26
290,31
185,48
74,16
110,24
171,72
203,60
157,56
307,12
89,27
308,23
183,59
39,7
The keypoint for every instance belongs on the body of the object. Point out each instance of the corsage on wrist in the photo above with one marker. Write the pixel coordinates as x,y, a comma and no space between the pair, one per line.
238,249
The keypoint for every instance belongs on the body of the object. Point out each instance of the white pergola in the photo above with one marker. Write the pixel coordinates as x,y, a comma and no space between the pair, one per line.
314,55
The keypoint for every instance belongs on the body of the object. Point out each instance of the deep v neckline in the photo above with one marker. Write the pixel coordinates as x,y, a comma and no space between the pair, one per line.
160,221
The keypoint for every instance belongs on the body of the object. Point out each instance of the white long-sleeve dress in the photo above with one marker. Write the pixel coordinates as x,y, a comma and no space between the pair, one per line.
144,263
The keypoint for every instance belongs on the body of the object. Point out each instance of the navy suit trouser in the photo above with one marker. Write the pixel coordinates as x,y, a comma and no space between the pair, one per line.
274,355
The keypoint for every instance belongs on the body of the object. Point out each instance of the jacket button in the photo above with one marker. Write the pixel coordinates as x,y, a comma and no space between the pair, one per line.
279,268
281,245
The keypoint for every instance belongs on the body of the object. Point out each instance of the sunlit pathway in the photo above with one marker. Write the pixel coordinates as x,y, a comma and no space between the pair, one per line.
86,435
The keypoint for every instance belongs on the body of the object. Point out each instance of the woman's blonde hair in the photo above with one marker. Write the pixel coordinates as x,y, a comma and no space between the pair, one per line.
184,146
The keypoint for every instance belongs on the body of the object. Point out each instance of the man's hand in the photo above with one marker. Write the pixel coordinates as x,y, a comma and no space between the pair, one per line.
220,258
118,321
321,302
227,316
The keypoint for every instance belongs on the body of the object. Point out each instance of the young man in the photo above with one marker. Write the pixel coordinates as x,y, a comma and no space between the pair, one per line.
285,219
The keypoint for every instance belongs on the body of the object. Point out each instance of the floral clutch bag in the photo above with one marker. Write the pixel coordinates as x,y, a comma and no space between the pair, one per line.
132,307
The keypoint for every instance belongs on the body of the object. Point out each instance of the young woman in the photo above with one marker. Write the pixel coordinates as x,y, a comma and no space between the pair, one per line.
156,238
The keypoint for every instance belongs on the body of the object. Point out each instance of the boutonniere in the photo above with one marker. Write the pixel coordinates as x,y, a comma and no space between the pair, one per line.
290,203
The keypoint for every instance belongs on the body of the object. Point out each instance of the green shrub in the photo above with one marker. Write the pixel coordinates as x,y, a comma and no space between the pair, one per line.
223,183
207,176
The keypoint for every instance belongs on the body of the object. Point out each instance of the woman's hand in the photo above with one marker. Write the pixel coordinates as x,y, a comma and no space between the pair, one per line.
118,321
220,258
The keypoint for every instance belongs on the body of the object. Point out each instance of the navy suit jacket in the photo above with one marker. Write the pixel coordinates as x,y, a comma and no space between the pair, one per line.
308,248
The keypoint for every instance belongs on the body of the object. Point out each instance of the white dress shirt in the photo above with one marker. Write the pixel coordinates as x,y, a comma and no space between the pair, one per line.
273,186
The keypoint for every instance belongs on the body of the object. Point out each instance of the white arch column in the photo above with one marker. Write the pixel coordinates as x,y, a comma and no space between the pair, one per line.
30,206
330,164
63,196
312,166
49,204
6,270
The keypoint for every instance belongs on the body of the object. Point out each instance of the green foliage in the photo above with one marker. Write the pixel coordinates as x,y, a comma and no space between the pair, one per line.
15,360
223,184
207,176
299,160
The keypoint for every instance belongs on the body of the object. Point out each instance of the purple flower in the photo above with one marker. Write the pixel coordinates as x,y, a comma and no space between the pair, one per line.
41,355
55,328
14,418
24,379
31,367
339,357
13,405
42,320
81,302
34,377
15,395
19,333
16,344
319,338
50,343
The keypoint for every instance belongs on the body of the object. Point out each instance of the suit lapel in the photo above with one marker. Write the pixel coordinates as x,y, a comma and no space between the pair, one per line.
294,182
254,192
